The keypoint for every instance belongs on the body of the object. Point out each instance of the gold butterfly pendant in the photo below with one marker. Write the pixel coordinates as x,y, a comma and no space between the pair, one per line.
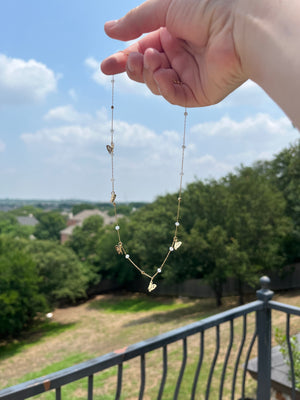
113,197
110,148
118,248
151,286
177,245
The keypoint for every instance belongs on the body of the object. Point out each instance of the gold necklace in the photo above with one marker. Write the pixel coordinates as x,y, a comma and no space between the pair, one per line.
120,247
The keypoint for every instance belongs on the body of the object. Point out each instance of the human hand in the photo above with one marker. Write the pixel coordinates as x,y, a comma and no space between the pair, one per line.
189,55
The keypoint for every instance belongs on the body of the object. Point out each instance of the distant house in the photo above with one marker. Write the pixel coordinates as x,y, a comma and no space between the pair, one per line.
78,219
29,220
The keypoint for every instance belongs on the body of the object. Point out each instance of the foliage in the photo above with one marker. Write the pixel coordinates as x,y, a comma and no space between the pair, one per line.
10,226
49,226
20,300
281,339
77,208
123,209
63,278
284,173
84,239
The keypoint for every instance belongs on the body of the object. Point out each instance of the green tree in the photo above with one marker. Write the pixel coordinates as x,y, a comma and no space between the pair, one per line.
20,300
63,278
49,226
256,224
10,226
284,173
77,208
84,239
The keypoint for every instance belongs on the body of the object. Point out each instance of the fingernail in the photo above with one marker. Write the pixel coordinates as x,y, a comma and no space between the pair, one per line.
130,65
110,24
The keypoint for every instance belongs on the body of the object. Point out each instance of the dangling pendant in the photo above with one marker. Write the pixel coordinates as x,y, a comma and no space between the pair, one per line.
119,248
177,245
113,197
151,286
109,148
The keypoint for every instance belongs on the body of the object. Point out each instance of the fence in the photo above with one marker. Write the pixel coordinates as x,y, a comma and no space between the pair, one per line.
214,367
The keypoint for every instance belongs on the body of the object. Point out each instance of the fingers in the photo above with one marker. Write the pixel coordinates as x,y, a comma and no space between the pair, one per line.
147,17
116,63
153,61
173,90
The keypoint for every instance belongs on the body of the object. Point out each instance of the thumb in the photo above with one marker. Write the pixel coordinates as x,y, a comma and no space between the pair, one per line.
147,17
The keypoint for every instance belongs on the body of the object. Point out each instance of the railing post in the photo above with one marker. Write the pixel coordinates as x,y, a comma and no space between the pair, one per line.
264,326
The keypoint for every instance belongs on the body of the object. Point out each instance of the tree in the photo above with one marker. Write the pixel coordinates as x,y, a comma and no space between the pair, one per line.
63,278
49,226
284,173
84,239
20,300
10,226
77,208
256,224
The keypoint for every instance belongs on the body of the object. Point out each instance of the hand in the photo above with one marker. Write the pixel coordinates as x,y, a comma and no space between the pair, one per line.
189,57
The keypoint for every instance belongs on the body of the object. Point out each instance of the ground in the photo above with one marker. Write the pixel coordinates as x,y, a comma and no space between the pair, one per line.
107,323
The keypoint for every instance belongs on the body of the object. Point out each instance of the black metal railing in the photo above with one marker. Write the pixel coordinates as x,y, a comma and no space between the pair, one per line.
213,362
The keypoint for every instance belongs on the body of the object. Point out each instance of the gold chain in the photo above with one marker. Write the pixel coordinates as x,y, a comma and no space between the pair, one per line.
120,247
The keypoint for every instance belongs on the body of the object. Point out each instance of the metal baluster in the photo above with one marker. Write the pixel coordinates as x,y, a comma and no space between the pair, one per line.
90,387
143,377
239,356
226,359
246,362
164,375
58,393
183,364
214,362
119,382
288,341
264,328
198,369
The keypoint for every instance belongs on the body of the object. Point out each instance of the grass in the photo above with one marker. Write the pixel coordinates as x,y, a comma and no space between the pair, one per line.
136,305
111,322
40,331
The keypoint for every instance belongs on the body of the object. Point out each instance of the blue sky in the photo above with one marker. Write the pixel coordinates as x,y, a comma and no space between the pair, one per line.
55,114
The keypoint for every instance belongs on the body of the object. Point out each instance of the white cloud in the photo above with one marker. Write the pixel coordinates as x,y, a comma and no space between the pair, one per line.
24,81
2,146
125,84
66,113
231,143
148,162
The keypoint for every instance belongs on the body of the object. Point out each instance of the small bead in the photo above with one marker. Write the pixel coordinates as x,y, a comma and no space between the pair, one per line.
177,223
159,270
179,199
181,173
117,227
112,107
127,256
171,248
185,114
184,146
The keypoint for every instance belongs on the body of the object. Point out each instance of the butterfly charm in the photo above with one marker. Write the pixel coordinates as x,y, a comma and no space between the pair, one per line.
177,245
151,286
110,148
113,197
118,248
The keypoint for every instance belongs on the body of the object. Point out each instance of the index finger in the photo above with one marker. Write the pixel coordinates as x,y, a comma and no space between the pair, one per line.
147,17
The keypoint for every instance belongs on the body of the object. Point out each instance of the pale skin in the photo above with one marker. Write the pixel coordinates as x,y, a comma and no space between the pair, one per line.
196,52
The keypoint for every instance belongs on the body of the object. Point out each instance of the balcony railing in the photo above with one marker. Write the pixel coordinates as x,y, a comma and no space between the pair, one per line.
214,356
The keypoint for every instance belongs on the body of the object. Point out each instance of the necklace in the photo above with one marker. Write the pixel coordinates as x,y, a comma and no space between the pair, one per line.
120,246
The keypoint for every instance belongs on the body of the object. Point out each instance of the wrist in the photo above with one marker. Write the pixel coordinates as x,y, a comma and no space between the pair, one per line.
266,35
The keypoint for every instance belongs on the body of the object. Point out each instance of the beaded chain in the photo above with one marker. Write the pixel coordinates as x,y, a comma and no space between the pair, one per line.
120,247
